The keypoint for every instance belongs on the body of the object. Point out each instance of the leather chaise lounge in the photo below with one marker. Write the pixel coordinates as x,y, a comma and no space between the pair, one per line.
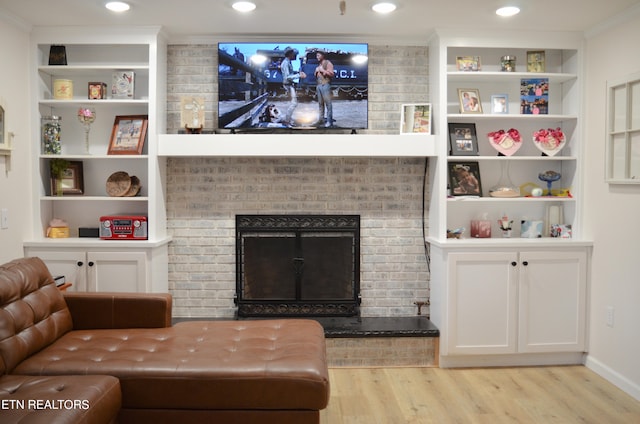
143,369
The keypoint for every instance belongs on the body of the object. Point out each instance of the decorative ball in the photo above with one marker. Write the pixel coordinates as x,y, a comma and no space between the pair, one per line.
536,192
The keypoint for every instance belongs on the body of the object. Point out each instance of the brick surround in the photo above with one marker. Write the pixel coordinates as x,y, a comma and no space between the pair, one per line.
205,194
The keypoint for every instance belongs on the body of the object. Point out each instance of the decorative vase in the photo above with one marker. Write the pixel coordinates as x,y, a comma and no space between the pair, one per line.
86,116
549,177
51,135
504,187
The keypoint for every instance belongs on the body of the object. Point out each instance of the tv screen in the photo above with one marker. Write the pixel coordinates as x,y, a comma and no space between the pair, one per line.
292,85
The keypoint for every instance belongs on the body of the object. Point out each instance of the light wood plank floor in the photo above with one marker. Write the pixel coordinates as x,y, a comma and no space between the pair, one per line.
537,395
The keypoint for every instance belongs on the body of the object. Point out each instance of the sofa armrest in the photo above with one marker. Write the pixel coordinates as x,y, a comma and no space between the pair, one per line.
119,310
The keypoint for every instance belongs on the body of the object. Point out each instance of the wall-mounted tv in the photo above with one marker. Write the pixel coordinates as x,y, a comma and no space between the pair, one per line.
292,85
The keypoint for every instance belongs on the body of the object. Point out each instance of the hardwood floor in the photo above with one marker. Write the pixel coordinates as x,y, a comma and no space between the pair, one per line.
539,395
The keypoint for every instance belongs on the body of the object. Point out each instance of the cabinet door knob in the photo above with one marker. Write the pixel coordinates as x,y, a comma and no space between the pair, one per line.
80,263
514,263
91,263
525,263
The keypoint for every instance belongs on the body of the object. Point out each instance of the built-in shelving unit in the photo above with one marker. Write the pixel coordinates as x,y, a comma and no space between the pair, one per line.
94,55
562,62
508,300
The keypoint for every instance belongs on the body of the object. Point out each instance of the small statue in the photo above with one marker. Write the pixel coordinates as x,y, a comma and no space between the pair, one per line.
505,225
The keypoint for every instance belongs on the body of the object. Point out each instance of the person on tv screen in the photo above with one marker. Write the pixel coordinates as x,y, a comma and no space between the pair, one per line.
324,73
289,80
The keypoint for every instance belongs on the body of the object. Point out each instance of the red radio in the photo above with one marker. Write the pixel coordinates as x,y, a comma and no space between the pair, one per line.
123,227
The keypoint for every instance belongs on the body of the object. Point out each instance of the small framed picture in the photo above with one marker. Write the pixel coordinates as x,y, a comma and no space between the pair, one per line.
468,63
71,181
469,100
464,179
128,135
97,91
534,96
416,119
463,140
500,103
535,61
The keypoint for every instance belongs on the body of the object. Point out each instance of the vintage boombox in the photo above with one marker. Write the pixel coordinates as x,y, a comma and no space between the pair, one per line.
123,227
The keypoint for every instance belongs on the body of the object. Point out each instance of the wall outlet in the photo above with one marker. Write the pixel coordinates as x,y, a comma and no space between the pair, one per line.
609,317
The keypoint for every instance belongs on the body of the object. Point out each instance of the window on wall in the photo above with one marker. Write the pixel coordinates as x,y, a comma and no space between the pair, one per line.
623,130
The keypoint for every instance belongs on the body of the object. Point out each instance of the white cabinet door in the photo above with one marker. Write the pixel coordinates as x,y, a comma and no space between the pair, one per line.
482,293
552,301
71,264
117,271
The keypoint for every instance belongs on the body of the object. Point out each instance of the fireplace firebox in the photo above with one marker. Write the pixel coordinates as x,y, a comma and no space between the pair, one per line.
297,265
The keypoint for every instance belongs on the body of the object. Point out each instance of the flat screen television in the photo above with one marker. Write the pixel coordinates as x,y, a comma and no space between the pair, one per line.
253,96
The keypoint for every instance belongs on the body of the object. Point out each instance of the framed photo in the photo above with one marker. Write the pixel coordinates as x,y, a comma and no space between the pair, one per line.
416,119
535,61
191,112
464,179
71,181
4,143
128,135
500,103
468,63
469,100
534,96
463,140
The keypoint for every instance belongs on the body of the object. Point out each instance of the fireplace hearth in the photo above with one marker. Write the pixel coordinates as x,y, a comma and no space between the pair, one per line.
297,265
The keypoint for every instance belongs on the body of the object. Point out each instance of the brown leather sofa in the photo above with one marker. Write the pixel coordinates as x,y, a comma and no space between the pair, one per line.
267,371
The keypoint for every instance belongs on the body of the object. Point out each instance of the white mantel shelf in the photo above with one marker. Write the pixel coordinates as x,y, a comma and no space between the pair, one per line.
292,145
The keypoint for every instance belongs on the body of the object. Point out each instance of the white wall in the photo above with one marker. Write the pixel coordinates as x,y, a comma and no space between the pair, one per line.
15,173
612,214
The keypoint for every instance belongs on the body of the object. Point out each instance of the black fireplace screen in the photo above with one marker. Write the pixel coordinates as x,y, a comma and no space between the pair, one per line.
298,265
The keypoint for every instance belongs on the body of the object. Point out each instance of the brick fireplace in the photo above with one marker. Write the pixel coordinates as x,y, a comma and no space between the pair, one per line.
205,194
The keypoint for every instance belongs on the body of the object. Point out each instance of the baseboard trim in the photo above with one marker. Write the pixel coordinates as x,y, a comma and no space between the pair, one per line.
614,377
512,360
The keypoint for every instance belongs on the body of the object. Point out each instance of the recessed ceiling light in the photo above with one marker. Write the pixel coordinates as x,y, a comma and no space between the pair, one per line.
244,6
508,11
383,7
117,6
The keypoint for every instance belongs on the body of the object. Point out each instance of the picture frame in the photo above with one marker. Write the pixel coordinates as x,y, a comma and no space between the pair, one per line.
534,96
5,134
463,140
415,118
128,135
500,104
72,180
3,137
468,63
536,61
464,179
469,100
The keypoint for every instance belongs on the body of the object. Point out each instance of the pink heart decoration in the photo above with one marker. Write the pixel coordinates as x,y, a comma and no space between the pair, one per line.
549,141
505,142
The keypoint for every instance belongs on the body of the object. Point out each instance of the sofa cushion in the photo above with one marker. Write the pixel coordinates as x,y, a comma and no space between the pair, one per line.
33,313
62,399
264,364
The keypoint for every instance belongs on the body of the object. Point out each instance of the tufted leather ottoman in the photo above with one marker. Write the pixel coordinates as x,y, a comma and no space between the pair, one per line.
200,365
62,399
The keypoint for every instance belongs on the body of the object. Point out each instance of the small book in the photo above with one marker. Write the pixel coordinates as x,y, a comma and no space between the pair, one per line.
59,280
123,84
